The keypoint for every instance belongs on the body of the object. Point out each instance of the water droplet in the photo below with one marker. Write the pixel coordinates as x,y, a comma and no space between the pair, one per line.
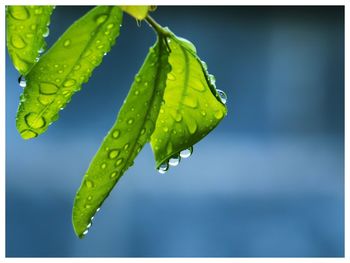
174,160
33,27
19,12
69,83
87,206
29,35
143,131
101,18
85,232
190,102
219,114
186,153
89,183
163,168
177,116
87,53
131,121
89,197
110,25
103,166
165,129
38,11
34,120
27,134
47,88
119,161
60,71
113,175
138,23
204,65
18,42
22,81
222,95
76,67
66,43
137,92
100,46
98,209
171,77
187,44
126,146
115,134
46,32
45,99
146,84
203,113
113,154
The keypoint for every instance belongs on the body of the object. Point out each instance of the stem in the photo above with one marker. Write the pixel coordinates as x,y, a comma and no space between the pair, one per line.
158,28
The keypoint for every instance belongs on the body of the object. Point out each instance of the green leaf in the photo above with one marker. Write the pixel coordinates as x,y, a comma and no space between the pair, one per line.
137,11
192,105
62,70
26,28
133,128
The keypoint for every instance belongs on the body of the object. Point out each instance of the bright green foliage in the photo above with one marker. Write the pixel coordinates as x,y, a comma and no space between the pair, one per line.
26,28
137,11
192,105
62,70
133,128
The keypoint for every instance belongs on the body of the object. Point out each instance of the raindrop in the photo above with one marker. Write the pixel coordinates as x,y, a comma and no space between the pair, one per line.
131,121
47,88
22,81
46,32
85,232
190,102
114,174
111,25
222,95
76,67
98,209
219,114
103,166
187,44
174,160
89,183
34,120
171,76
18,42
115,134
100,19
138,22
186,153
19,12
137,92
66,43
163,168
69,83
119,161
27,134
143,131
204,65
113,154
126,146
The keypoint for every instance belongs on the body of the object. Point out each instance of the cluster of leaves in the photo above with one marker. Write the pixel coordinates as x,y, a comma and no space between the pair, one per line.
172,104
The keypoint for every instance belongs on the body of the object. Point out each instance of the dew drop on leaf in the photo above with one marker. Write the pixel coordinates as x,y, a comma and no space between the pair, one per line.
115,134
131,121
113,154
18,42
47,88
46,32
174,160
89,183
66,43
22,81
219,114
101,18
119,161
186,153
69,83
19,12
34,120
113,175
163,168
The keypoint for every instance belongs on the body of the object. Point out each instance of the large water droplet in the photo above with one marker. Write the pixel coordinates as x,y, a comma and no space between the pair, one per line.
18,42
186,153
22,81
174,160
113,154
28,134
222,95
163,168
34,120
101,18
219,114
19,12
47,88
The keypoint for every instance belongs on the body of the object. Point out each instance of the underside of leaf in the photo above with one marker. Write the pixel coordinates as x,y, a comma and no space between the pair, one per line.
192,106
62,70
133,128
26,27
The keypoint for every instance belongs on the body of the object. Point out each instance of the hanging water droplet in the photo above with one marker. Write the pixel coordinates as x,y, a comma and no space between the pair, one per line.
22,81
163,168
85,232
46,32
98,209
171,76
101,18
138,22
174,160
186,153
222,95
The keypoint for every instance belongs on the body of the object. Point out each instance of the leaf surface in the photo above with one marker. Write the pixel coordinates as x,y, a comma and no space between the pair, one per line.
137,11
26,28
64,67
192,105
132,129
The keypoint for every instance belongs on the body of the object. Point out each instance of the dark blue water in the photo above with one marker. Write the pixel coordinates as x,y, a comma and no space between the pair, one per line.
268,182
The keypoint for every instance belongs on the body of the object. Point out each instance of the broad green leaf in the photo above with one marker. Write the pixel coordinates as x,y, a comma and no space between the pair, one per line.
133,128
192,105
62,70
26,28
137,11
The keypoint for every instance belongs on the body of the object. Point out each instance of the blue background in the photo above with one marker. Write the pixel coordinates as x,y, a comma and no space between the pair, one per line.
268,182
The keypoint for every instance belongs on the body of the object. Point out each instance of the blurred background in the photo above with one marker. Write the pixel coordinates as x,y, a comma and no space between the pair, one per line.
268,182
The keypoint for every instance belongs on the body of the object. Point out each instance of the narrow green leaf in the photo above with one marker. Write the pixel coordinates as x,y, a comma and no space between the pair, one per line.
192,105
132,129
26,27
62,70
